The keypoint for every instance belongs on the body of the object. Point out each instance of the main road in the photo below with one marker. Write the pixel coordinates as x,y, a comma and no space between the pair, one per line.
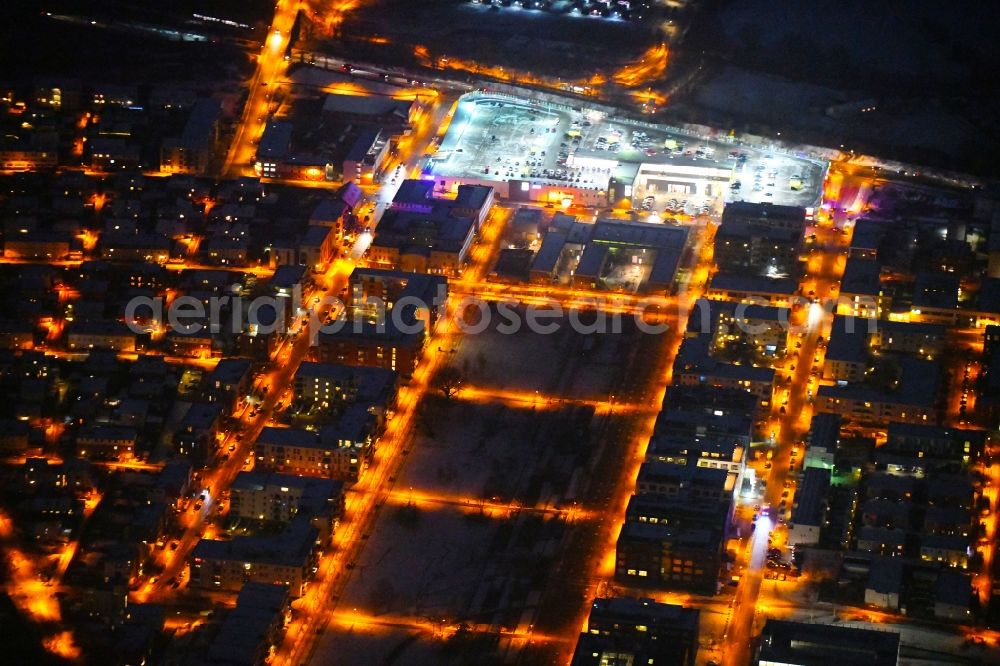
791,415
215,481
256,110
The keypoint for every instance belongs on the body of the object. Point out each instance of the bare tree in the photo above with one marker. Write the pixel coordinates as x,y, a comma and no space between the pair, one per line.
449,380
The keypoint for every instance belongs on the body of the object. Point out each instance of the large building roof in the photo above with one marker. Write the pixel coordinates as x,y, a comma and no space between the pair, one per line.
867,235
917,386
229,370
848,340
548,254
473,196
368,105
642,234
936,290
810,497
861,276
784,642
366,143
292,547
315,492
288,437
754,284
645,611
198,130
276,140
366,383
764,212
412,191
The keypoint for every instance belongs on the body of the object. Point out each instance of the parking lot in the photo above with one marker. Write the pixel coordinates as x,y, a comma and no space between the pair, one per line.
504,139
589,8
500,138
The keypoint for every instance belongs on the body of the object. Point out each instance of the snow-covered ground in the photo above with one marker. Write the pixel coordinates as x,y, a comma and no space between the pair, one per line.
561,365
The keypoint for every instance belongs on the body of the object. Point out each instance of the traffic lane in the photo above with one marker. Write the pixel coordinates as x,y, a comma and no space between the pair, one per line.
741,628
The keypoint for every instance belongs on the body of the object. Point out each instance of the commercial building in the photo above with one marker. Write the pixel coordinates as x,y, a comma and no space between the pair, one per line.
547,153
394,115
421,233
610,254
755,249
639,631
365,156
784,643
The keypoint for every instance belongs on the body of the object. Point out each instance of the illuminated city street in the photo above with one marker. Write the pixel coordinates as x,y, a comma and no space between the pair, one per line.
574,332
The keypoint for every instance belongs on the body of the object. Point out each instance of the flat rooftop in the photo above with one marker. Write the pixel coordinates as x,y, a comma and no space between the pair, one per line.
810,497
823,644
753,284
861,276
644,611
367,105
